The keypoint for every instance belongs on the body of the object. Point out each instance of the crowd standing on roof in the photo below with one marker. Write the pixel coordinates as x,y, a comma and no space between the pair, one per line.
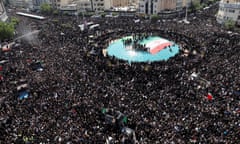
61,89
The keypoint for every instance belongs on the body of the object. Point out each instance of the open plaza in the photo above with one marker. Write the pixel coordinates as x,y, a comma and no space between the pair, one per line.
71,79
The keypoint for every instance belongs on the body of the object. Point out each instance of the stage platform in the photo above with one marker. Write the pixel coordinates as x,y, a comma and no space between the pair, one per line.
159,49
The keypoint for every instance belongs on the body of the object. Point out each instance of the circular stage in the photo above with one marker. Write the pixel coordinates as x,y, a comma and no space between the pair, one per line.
149,49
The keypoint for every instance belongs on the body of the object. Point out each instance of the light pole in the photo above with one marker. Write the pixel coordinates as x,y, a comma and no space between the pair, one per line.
186,14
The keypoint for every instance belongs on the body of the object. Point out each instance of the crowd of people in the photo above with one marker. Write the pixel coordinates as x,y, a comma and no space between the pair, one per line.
59,88
135,41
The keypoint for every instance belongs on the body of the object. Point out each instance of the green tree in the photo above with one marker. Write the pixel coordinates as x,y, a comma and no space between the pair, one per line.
14,21
154,18
65,13
6,30
55,12
45,8
114,14
194,5
229,24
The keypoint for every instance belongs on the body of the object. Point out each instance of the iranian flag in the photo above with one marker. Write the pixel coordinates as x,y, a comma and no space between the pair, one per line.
158,45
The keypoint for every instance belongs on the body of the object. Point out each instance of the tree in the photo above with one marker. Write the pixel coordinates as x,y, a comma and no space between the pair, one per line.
154,18
195,5
45,8
14,21
55,12
6,30
65,13
229,24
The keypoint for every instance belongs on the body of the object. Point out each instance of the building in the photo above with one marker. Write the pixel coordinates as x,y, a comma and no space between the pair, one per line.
98,5
179,4
84,5
134,2
31,4
167,5
229,10
186,3
61,3
93,5
36,4
101,5
120,3
19,3
156,6
54,3
149,6
3,14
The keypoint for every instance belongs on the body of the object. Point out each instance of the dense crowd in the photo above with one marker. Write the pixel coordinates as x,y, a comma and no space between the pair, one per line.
71,93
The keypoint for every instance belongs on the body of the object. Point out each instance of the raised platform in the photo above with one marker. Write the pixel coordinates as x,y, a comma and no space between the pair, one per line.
157,49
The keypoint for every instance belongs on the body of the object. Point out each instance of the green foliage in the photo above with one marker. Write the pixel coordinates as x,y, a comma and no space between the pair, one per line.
45,8
114,14
55,21
55,12
195,5
14,21
6,30
65,13
203,5
89,14
154,18
229,24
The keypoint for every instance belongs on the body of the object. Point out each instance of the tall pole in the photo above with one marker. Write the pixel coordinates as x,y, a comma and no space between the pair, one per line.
186,15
